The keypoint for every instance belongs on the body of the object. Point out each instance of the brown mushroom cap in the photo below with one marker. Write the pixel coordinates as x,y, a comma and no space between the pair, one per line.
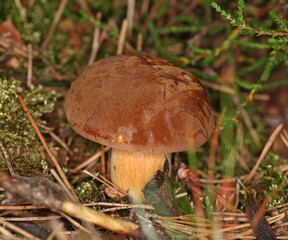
141,104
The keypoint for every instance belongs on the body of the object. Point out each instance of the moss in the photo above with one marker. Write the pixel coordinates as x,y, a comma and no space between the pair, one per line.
86,192
18,138
273,180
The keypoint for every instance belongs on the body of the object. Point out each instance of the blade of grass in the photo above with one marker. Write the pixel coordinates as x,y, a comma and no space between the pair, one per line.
56,19
264,152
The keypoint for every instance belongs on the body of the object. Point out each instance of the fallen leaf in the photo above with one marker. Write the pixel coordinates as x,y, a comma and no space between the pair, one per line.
8,30
258,222
157,193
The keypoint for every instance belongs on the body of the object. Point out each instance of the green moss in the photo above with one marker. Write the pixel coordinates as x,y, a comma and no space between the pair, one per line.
17,136
271,180
86,192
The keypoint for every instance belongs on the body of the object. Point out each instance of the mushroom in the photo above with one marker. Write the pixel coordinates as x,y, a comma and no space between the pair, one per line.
144,108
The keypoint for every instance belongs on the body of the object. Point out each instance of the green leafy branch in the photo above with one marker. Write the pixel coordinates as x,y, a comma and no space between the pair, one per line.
240,22
277,43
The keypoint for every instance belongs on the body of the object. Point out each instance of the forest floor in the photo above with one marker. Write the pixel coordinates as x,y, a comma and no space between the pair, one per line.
232,187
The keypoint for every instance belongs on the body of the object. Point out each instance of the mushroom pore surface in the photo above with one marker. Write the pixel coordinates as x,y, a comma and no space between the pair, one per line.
140,104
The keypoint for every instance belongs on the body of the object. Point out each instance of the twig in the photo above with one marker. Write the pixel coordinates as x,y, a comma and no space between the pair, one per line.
122,208
123,192
40,193
8,51
30,5
243,156
263,153
121,205
222,200
30,65
30,219
61,183
63,144
189,9
98,218
139,42
15,50
106,182
75,223
57,227
8,235
20,8
216,181
19,230
144,7
213,148
54,23
284,206
284,137
20,208
249,125
84,5
103,165
130,16
218,87
6,160
52,157
231,229
153,10
231,91
248,122
90,160
95,45
121,40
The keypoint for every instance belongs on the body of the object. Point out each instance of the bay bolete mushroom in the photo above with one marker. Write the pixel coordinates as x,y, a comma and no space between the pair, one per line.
144,108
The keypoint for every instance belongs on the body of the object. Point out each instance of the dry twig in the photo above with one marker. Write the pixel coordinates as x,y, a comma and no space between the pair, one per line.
56,19
30,65
15,50
130,16
213,147
71,192
44,192
264,152
107,183
18,230
90,160
63,144
95,45
122,36
6,159
103,165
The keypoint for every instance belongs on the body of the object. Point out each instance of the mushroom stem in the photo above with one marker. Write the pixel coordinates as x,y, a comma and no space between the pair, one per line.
133,170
